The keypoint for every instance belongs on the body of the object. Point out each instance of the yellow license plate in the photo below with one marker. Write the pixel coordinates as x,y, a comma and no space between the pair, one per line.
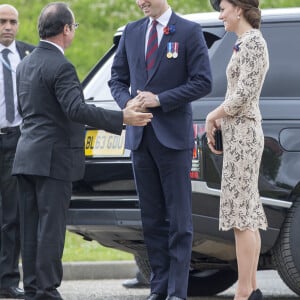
102,143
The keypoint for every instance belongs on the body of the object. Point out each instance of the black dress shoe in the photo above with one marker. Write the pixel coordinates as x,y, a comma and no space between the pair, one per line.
256,295
259,295
156,297
174,298
134,284
12,292
252,296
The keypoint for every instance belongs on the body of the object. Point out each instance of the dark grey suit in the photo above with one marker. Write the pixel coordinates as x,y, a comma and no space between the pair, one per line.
49,156
9,218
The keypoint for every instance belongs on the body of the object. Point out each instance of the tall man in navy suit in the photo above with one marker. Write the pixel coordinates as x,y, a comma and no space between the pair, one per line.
50,151
163,79
13,51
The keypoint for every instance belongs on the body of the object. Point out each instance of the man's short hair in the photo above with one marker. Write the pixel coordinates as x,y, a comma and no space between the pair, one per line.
53,19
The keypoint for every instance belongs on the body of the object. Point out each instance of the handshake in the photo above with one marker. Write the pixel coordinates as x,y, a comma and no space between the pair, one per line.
133,117
136,111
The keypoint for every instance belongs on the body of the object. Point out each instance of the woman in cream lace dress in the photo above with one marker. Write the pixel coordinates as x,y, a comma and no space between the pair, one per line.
243,140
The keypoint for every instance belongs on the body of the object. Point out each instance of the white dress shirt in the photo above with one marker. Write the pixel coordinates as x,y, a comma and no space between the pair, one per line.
163,21
14,59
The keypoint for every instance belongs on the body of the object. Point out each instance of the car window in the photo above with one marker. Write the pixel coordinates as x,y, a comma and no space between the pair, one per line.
211,38
283,76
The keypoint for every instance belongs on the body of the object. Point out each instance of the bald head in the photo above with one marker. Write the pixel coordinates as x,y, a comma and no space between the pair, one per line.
9,23
8,7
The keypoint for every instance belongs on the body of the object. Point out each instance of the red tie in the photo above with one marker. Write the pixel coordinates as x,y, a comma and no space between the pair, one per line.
152,47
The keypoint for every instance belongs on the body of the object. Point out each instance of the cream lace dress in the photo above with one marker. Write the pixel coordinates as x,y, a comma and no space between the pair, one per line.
243,140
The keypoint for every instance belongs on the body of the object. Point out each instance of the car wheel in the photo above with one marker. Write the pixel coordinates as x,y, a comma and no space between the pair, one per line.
201,283
210,282
286,251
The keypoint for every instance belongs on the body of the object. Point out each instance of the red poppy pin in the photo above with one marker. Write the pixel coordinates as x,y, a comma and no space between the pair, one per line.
169,29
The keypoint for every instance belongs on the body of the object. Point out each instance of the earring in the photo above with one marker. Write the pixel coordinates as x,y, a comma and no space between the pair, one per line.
238,17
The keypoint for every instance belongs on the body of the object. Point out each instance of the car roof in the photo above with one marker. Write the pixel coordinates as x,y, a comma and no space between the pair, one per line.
207,19
268,15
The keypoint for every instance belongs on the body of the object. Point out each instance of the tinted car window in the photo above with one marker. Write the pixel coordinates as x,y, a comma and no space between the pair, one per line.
282,81
219,56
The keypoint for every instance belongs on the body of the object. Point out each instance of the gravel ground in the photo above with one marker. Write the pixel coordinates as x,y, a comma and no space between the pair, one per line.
269,282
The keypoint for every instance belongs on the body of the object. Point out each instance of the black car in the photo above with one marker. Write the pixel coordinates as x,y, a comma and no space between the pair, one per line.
105,205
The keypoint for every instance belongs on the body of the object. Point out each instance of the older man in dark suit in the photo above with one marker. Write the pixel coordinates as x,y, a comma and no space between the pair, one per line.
11,53
50,153
162,65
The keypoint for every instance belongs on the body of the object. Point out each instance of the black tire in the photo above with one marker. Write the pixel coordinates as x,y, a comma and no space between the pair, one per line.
286,252
210,282
201,283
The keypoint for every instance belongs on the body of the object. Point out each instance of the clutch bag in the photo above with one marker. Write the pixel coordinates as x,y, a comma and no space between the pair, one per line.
218,140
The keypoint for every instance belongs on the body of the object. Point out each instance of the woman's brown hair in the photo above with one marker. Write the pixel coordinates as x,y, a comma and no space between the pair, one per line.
250,9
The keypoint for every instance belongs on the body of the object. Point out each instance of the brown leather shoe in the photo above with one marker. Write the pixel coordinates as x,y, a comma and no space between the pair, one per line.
12,292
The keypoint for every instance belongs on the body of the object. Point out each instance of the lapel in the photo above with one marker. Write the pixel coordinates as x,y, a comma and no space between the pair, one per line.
162,49
22,49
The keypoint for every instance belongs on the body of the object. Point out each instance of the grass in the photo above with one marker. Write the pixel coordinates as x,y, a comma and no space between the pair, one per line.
77,249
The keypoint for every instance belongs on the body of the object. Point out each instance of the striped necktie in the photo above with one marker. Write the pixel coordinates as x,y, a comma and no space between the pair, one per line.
8,87
152,47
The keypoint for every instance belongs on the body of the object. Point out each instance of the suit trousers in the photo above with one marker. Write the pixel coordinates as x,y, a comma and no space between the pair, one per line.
44,203
163,183
9,214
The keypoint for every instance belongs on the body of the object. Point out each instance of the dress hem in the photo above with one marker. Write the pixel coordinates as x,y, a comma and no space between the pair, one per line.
242,229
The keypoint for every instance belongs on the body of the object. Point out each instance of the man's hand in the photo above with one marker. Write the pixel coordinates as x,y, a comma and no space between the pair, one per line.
136,104
135,118
147,99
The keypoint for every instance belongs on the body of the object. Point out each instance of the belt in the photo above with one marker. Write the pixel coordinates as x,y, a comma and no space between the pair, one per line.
7,130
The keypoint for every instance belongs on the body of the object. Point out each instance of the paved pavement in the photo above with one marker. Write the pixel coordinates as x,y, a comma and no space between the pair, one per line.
110,289
103,281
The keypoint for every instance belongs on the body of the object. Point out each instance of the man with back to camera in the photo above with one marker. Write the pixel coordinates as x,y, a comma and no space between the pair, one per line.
50,153
11,53
162,65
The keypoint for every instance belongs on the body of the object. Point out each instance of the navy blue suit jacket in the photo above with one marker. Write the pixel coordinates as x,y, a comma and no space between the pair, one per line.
177,81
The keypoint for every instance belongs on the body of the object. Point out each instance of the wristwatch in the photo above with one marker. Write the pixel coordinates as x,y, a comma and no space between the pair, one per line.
157,99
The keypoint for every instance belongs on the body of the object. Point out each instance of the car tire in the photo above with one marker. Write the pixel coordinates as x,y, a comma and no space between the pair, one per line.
286,251
201,283
210,282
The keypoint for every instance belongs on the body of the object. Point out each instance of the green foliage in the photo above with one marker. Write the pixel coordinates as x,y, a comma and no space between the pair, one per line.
99,20
77,249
